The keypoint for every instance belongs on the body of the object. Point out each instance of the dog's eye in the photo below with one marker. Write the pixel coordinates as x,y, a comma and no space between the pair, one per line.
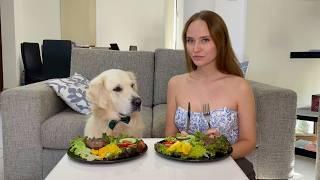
117,89
132,85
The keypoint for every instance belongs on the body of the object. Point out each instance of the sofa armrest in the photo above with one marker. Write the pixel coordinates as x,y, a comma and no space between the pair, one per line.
23,109
276,119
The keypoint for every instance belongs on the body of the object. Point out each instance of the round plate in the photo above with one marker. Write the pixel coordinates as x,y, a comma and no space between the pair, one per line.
79,159
218,156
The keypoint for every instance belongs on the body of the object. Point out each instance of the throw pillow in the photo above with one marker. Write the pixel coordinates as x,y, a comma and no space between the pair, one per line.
244,67
72,91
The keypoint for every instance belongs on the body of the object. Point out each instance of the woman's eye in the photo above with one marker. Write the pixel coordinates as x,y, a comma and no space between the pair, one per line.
205,40
117,89
189,41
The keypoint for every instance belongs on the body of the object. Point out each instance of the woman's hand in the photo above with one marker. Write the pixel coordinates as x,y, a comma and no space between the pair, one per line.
213,132
184,133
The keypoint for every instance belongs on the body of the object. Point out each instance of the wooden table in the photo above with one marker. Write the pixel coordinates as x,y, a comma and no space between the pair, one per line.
150,166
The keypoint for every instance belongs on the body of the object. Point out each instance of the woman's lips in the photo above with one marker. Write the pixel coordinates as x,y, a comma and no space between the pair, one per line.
197,57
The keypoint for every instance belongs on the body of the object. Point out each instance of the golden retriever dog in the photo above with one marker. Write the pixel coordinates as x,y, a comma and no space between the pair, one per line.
115,105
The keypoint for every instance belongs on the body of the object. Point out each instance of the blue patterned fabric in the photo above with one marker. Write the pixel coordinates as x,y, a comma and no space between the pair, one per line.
72,91
224,119
244,67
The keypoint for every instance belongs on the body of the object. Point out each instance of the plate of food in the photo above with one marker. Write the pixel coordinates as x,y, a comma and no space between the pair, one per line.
198,147
106,150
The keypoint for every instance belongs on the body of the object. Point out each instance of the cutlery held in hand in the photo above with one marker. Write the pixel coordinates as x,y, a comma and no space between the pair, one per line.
206,113
188,118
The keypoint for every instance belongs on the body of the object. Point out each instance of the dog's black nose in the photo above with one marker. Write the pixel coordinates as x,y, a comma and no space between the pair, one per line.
136,102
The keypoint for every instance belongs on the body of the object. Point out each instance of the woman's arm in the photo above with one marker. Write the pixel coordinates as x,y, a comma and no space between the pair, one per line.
171,129
247,121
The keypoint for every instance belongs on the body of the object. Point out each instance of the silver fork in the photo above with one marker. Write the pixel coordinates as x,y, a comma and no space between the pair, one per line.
206,113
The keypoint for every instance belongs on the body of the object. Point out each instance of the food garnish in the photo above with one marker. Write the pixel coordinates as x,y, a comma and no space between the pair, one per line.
196,146
107,147
94,143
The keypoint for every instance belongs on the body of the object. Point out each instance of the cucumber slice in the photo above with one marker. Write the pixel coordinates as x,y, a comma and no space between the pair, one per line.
183,137
132,140
189,136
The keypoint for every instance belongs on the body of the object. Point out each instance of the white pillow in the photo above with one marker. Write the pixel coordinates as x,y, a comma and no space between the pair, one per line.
244,67
72,91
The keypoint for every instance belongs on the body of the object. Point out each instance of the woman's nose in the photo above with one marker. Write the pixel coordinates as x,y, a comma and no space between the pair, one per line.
197,46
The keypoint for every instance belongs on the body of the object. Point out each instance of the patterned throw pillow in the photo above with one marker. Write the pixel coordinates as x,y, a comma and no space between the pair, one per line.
244,67
72,91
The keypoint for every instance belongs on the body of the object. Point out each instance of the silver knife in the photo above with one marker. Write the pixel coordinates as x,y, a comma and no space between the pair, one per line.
188,120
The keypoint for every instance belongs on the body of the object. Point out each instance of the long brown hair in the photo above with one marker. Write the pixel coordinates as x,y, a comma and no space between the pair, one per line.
226,60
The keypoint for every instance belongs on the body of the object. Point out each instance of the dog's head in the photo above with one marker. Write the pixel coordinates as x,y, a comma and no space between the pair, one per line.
115,90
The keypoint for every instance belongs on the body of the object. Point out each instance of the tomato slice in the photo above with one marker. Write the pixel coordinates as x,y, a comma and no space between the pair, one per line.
132,145
124,145
126,142
168,143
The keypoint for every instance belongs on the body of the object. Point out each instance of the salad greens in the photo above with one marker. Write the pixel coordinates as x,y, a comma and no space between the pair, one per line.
111,148
196,146
79,148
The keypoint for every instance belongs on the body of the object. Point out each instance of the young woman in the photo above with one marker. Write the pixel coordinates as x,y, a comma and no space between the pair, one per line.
214,78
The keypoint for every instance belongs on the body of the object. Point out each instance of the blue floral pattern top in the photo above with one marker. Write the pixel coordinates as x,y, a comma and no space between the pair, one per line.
224,119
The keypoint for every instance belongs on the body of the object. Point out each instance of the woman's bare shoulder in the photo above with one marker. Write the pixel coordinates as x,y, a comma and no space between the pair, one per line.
239,83
178,78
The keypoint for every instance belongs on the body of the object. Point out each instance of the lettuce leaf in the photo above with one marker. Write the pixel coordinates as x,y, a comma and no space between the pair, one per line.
79,148
162,149
197,152
203,146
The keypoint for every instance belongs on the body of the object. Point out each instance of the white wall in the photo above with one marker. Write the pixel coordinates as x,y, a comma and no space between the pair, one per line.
25,21
180,21
234,13
140,23
10,64
78,21
273,30
192,6
170,32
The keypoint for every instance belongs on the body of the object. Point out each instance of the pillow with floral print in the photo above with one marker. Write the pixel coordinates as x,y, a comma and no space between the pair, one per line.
244,67
72,91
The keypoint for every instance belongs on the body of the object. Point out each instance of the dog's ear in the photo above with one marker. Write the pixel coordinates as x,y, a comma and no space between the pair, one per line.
97,93
134,79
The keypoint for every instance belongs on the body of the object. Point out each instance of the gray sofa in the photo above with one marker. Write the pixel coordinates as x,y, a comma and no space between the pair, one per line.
37,125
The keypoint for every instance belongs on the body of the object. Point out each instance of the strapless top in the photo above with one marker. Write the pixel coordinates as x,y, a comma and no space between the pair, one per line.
224,119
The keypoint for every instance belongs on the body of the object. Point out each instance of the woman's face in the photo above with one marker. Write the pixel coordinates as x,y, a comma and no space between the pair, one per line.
199,43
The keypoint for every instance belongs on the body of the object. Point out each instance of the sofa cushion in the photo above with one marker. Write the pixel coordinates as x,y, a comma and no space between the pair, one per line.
58,130
168,63
91,62
159,120
72,91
